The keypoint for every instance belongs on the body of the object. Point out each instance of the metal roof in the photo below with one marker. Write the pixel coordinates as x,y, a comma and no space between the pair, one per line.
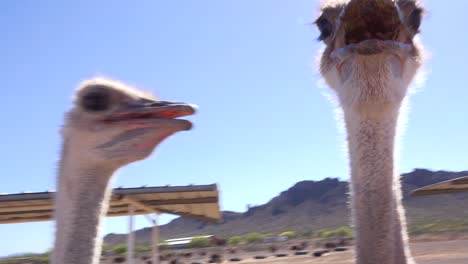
199,202
450,186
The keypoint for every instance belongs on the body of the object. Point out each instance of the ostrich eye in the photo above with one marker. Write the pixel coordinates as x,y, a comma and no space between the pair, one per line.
325,27
98,99
414,20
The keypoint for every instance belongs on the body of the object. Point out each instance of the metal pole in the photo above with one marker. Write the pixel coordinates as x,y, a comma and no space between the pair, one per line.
131,235
155,236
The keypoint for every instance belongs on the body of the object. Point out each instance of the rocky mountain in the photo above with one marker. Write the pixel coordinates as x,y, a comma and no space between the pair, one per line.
314,205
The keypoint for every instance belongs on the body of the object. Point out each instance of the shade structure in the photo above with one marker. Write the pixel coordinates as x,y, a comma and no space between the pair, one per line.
451,186
200,202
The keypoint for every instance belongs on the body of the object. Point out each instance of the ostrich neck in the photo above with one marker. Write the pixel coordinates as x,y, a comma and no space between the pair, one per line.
80,204
375,186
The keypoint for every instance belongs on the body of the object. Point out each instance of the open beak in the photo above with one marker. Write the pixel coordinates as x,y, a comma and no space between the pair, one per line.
154,113
371,19
371,26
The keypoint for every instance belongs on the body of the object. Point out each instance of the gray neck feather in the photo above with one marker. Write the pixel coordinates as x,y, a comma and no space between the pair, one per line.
377,210
80,203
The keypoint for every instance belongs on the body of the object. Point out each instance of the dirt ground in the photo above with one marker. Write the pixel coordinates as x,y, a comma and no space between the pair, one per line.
442,252
439,252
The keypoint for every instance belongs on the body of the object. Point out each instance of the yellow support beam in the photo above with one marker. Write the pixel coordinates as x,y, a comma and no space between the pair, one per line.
140,205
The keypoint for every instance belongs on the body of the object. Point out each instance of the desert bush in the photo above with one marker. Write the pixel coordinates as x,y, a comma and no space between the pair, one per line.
105,248
253,238
343,231
32,257
143,248
119,260
235,240
119,249
440,227
199,242
215,258
289,234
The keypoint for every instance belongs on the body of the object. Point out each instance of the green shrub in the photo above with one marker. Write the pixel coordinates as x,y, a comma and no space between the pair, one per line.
120,249
235,240
253,237
289,234
440,227
143,248
343,231
105,248
43,258
199,242
324,233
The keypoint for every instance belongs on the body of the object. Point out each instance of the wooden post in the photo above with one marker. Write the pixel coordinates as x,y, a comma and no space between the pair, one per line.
131,236
155,236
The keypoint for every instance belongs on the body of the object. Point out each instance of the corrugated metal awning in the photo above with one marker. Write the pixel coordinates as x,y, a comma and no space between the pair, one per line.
199,202
451,186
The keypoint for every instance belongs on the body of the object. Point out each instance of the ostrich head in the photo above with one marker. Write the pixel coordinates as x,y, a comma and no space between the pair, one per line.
112,124
371,55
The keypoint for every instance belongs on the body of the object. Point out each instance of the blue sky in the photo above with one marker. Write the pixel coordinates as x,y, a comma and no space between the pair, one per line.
263,122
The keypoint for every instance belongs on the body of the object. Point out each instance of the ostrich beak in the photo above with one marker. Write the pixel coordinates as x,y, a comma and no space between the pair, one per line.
370,27
164,109
371,19
154,113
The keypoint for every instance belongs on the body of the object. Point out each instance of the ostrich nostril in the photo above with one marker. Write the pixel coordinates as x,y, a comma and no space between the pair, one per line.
158,103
